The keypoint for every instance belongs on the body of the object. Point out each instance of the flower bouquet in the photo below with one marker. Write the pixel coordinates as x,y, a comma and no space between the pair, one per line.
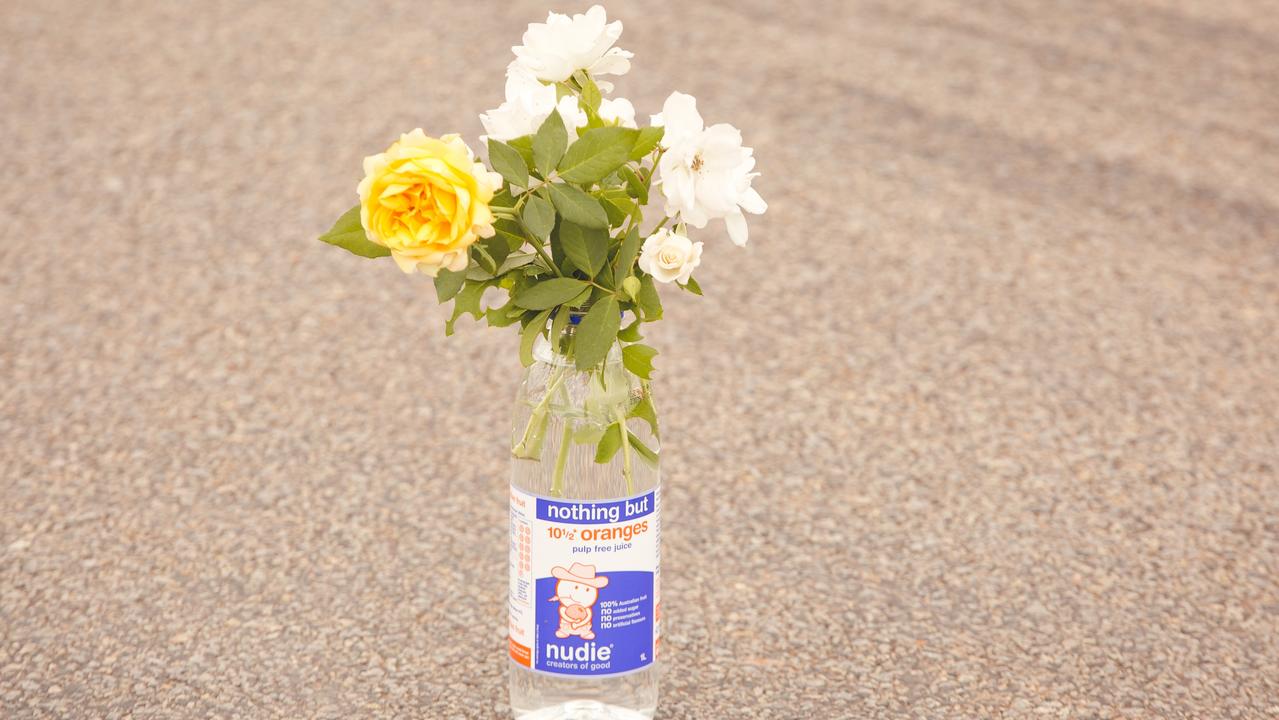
578,218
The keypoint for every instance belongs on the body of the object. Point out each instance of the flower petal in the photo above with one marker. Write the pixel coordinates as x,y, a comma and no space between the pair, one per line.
752,203
736,223
681,119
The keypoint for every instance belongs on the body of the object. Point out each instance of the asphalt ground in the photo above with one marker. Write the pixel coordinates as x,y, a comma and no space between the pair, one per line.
981,424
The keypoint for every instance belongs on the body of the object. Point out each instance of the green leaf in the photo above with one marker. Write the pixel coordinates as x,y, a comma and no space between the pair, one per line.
497,248
549,293
466,302
692,286
516,260
538,217
609,443
507,161
510,232
590,96
503,316
597,153
645,411
644,451
648,299
448,283
581,299
524,146
549,143
578,207
634,185
599,293
597,332
631,333
646,141
484,259
503,199
561,260
639,360
617,205
624,260
529,335
348,234
586,247
557,327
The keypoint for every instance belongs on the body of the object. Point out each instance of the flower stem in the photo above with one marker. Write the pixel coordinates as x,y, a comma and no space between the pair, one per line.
518,217
661,224
551,263
537,245
561,458
530,446
626,449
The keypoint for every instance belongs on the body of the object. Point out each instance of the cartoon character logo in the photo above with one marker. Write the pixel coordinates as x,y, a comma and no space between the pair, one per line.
577,590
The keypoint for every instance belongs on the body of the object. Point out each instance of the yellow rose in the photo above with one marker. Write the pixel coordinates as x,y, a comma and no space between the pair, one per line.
427,200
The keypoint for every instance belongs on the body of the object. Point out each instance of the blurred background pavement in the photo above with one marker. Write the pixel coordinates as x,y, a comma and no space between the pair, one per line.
981,424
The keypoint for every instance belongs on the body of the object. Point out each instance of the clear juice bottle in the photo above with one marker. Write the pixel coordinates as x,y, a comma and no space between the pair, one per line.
584,583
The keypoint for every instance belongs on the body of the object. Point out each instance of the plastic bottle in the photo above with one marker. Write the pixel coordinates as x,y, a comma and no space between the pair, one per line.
585,538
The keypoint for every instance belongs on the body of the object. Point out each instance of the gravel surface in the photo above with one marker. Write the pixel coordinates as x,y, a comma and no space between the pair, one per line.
982,423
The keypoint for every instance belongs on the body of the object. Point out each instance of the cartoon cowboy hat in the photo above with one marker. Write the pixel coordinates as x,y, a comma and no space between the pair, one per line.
580,573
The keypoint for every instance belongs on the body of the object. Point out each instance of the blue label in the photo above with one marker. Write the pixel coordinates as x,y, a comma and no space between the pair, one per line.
585,583
594,625
594,513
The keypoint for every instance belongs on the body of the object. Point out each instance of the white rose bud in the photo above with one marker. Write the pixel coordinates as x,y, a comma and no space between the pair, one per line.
670,257
631,285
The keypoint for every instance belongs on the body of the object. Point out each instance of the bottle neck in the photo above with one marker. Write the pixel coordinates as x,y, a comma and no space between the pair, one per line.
560,354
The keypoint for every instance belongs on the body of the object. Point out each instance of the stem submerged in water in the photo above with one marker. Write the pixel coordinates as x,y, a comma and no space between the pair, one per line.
620,415
530,445
604,406
561,459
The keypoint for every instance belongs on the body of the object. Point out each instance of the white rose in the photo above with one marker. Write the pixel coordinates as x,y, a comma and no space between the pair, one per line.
705,173
670,257
528,103
553,50
618,111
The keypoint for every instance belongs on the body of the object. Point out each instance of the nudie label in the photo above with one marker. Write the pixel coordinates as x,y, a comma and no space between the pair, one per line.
584,583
